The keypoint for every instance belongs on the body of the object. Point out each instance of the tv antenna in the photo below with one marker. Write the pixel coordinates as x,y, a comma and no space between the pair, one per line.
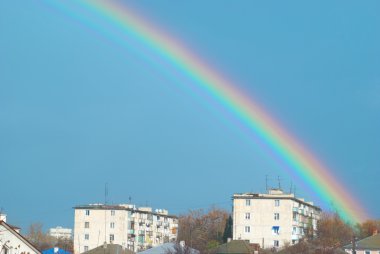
106,193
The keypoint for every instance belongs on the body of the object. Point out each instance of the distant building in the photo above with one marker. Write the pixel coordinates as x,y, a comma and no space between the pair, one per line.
12,242
60,232
274,219
133,228
369,245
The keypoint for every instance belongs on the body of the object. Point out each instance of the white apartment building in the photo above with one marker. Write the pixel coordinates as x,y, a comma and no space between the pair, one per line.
134,228
60,232
274,219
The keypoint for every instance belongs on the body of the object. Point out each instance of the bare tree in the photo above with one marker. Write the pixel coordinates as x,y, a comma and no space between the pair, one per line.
43,241
333,232
202,230
367,228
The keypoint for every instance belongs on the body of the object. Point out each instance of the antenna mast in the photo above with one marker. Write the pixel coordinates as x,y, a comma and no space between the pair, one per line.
106,193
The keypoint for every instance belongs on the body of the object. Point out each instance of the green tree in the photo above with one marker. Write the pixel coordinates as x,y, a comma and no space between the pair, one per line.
228,229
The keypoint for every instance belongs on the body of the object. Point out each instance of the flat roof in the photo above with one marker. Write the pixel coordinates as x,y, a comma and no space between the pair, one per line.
273,196
120,207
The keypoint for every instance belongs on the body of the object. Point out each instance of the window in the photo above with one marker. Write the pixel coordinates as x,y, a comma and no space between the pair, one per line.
87,212
112,225
276,216
247,202
112,212
112,237
294,216
87,224
247,216
294,242
247,229
294,231
85,248
277,202
276,243
367,252
276,230
86,237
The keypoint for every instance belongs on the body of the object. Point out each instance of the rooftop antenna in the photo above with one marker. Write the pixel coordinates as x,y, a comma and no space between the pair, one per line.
266,183
106,193
291,187
279,182
105,214
295,190
130,200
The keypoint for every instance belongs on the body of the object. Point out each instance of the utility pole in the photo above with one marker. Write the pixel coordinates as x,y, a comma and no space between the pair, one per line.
353,245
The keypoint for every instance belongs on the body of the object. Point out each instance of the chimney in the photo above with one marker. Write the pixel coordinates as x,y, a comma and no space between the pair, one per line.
3,217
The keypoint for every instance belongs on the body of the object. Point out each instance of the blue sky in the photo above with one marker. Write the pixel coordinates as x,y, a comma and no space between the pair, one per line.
78,110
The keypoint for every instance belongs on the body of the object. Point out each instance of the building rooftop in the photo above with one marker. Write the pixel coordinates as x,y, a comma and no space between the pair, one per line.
127,207
166,248
14,230
55,250
273,194
109,249
235,247
369,243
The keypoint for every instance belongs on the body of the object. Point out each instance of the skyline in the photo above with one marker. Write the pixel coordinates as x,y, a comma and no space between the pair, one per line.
207,114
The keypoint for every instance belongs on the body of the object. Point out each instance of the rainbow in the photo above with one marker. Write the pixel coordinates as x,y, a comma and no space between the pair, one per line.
228,95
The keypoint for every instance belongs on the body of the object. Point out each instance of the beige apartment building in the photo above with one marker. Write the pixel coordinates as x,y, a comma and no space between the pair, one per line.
274,219
134,228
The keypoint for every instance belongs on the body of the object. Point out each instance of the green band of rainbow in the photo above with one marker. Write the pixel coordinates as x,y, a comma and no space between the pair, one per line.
247,111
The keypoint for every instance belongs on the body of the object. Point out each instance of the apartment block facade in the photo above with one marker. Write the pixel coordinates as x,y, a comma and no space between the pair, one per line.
134,228
273,219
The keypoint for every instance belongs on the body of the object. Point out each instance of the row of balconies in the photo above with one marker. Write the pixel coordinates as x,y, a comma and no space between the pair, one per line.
149,225
302,211
131,233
